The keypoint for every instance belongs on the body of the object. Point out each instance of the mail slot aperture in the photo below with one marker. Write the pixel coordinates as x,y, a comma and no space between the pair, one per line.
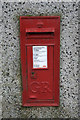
40,33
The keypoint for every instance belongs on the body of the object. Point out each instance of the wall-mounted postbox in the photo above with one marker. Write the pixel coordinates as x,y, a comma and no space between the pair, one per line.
40,54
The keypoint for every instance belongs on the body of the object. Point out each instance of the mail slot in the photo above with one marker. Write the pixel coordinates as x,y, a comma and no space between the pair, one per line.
40,60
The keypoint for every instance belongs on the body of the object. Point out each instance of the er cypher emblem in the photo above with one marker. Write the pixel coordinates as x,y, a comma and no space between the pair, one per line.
40,87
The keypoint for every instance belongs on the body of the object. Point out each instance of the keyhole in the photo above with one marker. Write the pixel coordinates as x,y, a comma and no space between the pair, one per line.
32,73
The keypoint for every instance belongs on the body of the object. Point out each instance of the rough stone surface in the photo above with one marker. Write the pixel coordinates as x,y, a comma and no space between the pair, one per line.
1,26
11,75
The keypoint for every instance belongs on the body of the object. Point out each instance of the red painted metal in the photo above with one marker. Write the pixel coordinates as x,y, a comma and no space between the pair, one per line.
40,85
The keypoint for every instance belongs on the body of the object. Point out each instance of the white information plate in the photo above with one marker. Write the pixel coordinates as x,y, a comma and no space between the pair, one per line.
39,56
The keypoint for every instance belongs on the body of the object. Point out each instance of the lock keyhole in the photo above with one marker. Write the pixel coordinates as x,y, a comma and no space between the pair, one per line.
33,73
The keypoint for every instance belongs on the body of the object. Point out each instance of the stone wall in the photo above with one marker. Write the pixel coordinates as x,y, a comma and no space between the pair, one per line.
11,70
1,33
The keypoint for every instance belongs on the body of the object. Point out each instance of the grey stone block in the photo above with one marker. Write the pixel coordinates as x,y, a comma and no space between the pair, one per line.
11,76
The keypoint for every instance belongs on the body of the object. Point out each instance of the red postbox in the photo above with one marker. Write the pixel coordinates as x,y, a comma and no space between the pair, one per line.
40,60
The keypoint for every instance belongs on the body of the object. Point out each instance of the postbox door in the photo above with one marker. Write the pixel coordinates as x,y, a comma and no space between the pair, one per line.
40,73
